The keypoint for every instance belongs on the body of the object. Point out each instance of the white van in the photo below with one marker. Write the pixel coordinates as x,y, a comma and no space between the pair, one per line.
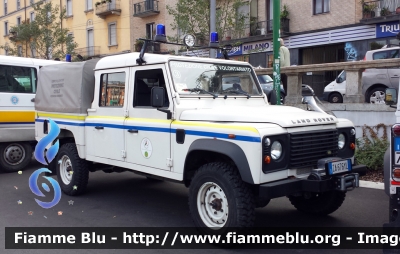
374,81
18,83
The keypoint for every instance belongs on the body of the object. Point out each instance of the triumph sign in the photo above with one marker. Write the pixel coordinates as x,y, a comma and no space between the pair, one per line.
387,29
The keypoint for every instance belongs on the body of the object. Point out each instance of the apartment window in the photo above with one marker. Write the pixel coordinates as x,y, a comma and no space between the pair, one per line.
89,5
69,7
5,7
18,4
32,16
6,28
150,31
31,2
19,50
18,21
112,34
6,51
321,6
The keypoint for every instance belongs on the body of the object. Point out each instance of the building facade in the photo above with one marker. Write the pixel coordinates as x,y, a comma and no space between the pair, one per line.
98,27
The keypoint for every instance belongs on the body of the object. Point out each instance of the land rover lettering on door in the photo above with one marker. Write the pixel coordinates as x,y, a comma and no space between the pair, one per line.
177,118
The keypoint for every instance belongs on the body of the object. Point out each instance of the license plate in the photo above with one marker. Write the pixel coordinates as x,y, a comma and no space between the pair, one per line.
337,167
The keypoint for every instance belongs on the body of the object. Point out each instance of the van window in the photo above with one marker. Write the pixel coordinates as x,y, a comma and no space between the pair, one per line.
112,89
17,79
387,54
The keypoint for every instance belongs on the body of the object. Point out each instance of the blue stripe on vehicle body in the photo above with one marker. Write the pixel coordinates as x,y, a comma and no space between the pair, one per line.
159,129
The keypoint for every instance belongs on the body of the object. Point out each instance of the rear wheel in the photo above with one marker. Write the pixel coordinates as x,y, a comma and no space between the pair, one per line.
14,156
322,203
72,171
376,96
218,198
335,98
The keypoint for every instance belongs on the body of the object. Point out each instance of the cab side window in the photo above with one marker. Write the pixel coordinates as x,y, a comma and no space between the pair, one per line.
112,89
144,81
17,79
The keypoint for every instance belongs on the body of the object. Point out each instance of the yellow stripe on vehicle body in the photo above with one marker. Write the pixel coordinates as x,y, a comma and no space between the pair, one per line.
216,125
17,116
62,116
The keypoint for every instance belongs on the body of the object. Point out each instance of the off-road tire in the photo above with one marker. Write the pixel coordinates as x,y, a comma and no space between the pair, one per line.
335,98
79,180
24,150
239,197
322,203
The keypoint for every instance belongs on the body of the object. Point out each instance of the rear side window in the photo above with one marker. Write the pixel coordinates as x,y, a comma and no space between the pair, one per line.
387,54
112,90
17,79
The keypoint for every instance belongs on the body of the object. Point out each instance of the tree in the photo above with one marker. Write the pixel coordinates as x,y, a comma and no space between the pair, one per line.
45,34
193,17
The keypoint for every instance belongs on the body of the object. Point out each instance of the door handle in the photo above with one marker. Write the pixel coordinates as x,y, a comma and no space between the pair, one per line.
99,127
133,131
33,100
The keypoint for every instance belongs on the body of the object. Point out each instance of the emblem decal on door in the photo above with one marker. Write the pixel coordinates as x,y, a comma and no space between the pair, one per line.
146,148
14,100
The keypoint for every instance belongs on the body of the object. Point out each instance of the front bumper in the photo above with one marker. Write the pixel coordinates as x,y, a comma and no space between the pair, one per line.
325,96
290,186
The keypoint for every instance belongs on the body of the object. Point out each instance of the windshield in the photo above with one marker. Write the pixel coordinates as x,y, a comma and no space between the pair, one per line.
264,79
213,79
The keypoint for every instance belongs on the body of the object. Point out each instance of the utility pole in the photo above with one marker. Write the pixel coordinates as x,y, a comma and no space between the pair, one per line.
276,44
213,7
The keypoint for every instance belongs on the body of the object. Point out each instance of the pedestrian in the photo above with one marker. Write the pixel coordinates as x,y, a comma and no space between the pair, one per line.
284,61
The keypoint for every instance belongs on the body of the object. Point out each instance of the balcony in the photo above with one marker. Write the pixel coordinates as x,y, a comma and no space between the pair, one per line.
105,8
258,28
374,12
145,9
88,51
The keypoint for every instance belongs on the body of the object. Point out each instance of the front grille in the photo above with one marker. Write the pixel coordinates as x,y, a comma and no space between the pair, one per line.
306,148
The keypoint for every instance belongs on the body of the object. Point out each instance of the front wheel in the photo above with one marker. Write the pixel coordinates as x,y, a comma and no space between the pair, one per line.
218,198
72,171
322,203
335,98
14,156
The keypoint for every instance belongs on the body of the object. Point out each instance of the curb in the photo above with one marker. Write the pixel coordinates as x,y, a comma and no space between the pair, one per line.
372,185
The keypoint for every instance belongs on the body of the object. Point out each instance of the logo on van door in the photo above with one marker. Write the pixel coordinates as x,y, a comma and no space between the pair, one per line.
146,148
14,100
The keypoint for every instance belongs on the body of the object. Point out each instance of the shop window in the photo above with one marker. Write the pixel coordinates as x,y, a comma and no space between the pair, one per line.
377,44
112,89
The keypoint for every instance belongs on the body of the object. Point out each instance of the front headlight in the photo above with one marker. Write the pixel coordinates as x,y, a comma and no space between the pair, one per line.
341,140
276,150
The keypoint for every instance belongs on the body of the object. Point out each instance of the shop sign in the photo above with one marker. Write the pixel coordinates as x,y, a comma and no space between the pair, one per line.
388,29
259,46
235,51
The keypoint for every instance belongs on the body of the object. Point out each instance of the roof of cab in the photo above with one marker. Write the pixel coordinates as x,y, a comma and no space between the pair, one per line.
26,61
129,59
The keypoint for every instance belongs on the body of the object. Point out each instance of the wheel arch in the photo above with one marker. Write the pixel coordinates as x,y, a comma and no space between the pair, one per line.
373,87
204,151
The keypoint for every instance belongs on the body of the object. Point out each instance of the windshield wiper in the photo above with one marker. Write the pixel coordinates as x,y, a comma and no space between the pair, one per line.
200,90
239,92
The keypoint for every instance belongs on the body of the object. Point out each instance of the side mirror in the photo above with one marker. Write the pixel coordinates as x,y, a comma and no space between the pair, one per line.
157,97
273,98
390,96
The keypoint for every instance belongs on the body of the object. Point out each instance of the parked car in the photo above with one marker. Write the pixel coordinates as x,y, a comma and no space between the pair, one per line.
374,81
267,84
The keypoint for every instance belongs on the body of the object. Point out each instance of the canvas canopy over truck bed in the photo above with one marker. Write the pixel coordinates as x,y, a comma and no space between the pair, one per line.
69,91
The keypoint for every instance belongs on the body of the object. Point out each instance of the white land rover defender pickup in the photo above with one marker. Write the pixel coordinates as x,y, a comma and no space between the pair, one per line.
172,117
